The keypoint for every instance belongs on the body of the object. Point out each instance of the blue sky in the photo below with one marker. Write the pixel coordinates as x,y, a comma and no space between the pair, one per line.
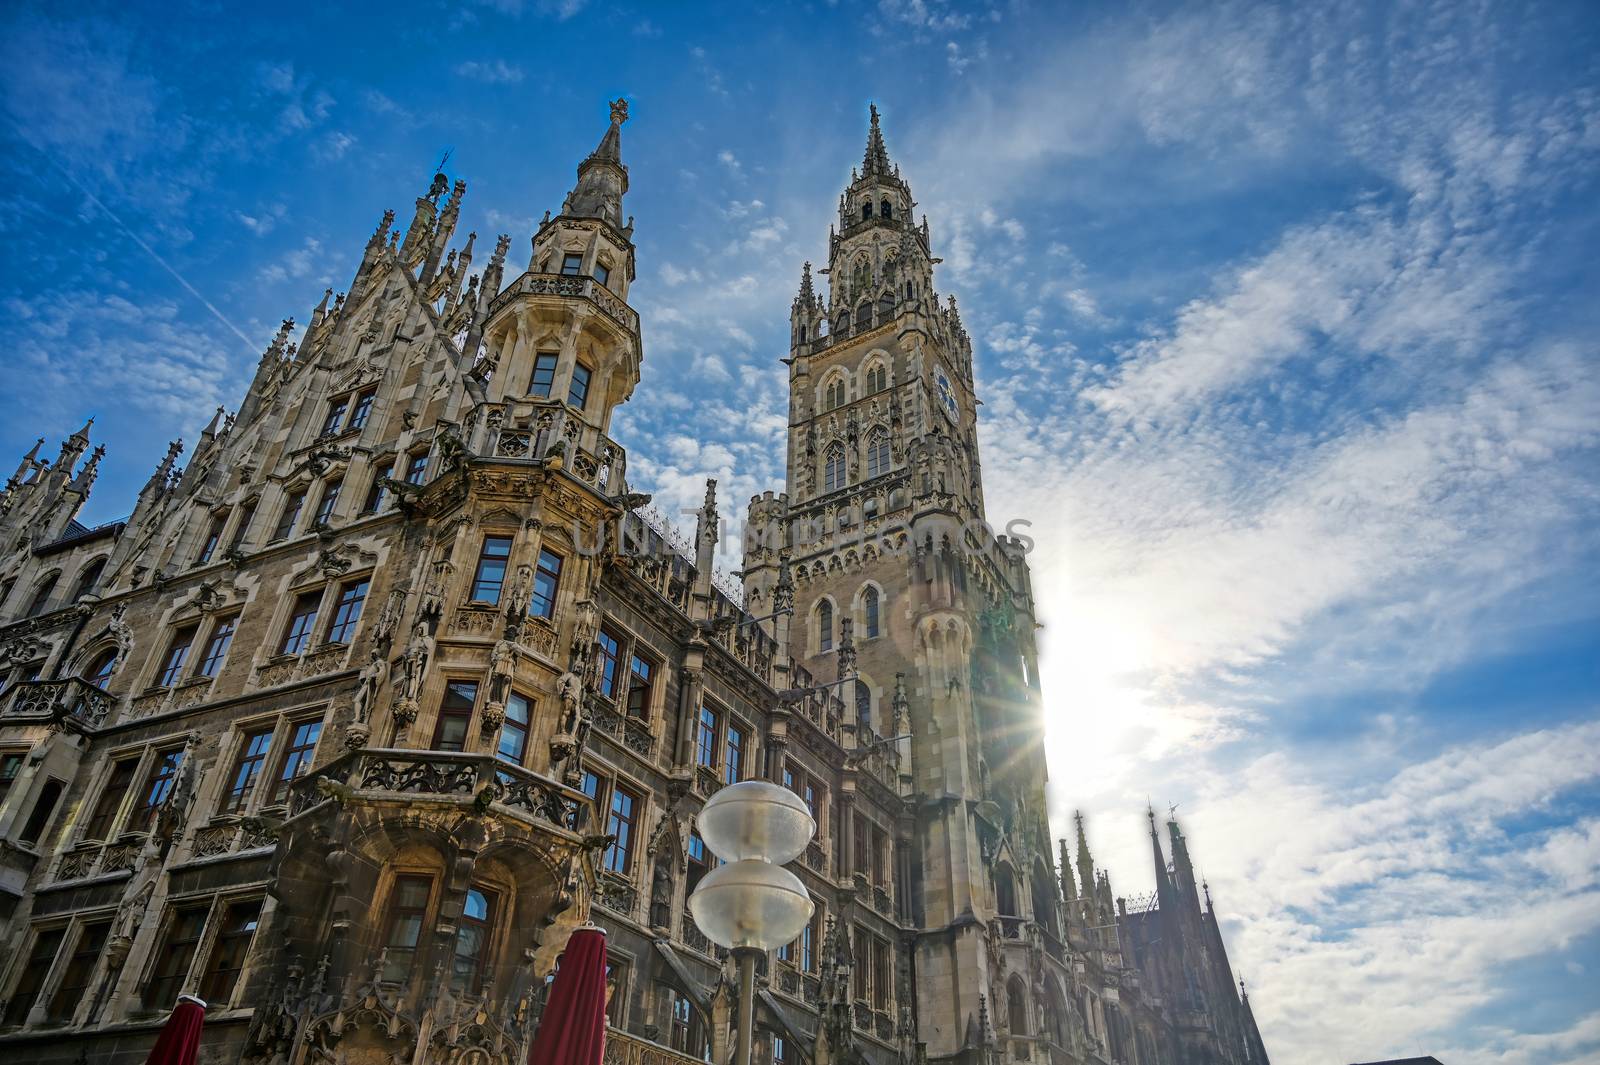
1286,330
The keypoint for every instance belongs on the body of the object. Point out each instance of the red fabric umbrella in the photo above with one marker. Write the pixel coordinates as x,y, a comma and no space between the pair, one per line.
179,1041
573,1028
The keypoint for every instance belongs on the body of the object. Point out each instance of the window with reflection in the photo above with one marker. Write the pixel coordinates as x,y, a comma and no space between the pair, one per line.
407,916
472,940
455,713
513,745
297,758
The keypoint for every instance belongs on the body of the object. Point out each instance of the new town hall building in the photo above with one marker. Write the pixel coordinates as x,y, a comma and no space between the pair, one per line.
395,681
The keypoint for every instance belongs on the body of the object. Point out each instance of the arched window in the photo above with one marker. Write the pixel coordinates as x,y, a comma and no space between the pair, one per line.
101,667
835,393
825,626
909,290
687,1033
864,315
843,325
802,334
885,307
1044,896
1053,1025
833,475
88,579
866,210
863,704
41,595
1017,1006
877,378
886,209
878,453
1005,891
869,612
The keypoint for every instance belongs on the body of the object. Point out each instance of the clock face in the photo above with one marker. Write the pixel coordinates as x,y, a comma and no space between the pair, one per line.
947,394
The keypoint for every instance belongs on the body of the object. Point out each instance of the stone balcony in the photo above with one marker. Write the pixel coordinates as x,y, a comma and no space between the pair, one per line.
54,701
381,775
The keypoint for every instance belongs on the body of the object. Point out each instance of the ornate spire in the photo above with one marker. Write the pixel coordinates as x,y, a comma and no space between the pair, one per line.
808,294
91,469
602,179
876,162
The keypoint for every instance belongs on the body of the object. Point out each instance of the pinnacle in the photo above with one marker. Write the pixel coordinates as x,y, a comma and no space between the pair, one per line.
876,160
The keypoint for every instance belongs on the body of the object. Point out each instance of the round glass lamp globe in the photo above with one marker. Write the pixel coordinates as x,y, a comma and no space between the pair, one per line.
756,819
750,903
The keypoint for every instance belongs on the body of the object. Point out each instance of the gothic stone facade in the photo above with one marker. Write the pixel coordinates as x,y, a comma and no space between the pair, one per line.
360,711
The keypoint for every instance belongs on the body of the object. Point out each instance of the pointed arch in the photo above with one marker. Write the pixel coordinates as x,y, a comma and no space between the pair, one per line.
835,391
869,611
88,578
879,455
824,624
1017,1006
1005,890
834,475
41,594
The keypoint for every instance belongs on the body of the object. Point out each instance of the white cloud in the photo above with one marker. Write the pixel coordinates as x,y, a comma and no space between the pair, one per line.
490,72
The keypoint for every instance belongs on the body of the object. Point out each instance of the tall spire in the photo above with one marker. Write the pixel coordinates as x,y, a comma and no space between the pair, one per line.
602,179
876,161
1085,859
1163,881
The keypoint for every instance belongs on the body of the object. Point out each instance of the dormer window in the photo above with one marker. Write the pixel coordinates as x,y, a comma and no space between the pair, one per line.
572,263
602,273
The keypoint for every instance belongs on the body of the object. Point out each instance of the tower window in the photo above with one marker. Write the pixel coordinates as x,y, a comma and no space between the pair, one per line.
546,579
578,391
824,626
450,734
869,610
878,454
408,911
835,393
491,575
886,209
833,475
572,263
802,334
877,378
513,745
602,273
866,211
544,374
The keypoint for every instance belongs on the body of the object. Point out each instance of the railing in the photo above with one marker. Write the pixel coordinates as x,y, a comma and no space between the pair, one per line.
73,698
99,859
549,430
535,284
625,1049
442,775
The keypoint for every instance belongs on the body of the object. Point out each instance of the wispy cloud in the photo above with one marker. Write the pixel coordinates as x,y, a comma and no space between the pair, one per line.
491,72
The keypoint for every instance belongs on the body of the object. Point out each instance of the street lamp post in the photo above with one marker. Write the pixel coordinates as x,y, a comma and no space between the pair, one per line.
752,904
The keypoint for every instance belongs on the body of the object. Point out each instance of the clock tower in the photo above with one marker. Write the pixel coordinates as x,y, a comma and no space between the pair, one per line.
903,595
